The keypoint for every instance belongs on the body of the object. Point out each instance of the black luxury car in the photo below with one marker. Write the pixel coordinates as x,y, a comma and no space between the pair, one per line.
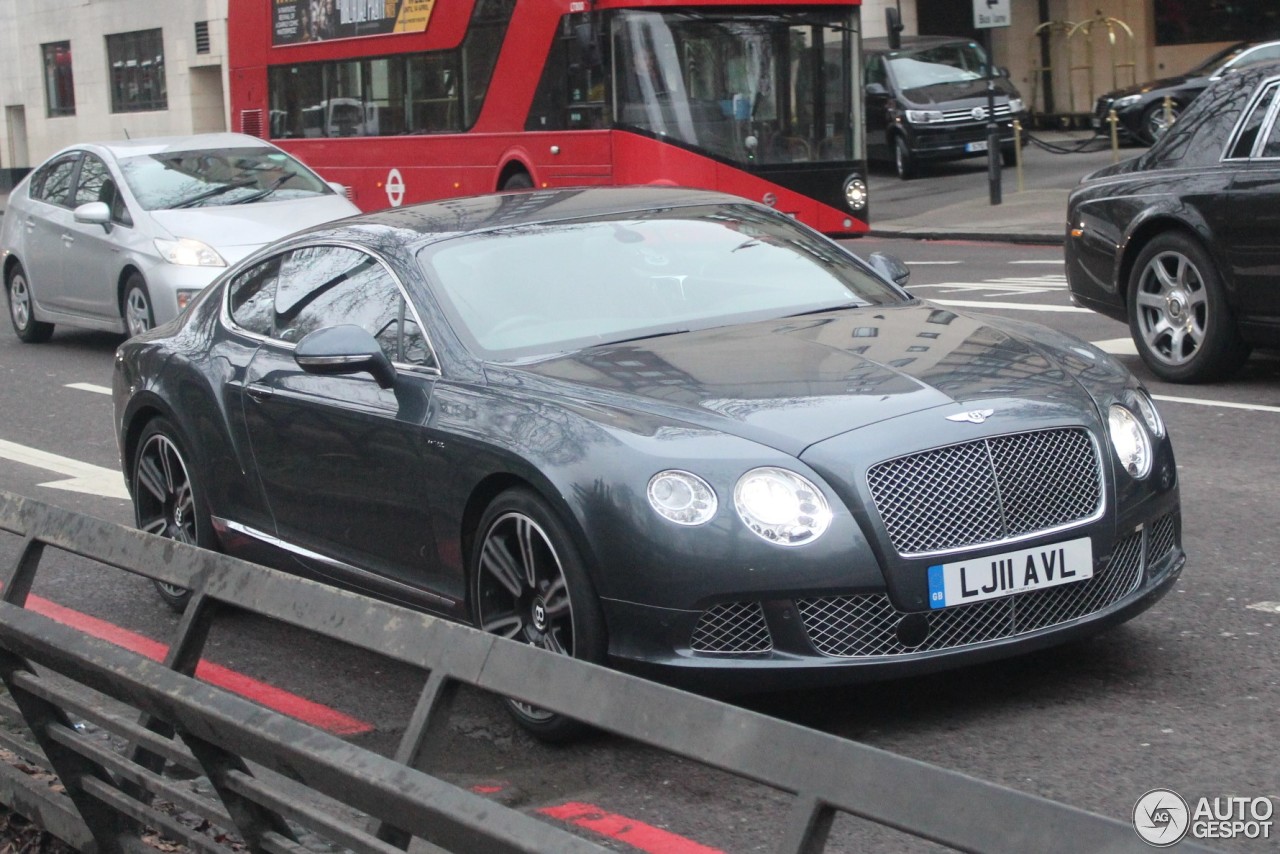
1140,110
927,100
666,429
1181,241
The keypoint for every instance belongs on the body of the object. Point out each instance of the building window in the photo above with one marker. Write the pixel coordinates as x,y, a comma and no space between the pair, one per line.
59,89
136,62
1179,22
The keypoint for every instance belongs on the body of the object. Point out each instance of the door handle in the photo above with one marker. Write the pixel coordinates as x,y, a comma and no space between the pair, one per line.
260,392
68,239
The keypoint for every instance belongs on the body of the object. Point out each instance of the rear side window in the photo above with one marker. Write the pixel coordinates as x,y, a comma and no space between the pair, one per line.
52,183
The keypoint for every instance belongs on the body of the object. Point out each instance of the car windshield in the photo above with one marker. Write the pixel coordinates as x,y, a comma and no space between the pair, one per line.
1215,63
543,289
953,62
217,176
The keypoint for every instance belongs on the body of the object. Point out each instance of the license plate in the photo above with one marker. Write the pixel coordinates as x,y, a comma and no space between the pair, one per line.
975,146
964,581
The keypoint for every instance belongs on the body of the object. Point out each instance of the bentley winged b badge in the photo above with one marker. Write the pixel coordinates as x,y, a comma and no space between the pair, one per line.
976,416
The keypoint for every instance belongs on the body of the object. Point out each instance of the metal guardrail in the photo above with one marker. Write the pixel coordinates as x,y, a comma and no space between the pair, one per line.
283,786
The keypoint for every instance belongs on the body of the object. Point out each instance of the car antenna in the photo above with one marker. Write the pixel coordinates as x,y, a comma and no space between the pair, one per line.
126,134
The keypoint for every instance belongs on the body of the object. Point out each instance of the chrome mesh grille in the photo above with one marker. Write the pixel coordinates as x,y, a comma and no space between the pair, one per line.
986,491
732,627
866,625
1162,538
967,114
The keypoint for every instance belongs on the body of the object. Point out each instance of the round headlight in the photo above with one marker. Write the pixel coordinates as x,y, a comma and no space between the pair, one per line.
855,193
1131,442
1147,410
681,497
781,506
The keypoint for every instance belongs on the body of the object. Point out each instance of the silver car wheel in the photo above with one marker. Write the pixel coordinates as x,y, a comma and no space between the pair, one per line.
19,300
522,591
1173,308
137,309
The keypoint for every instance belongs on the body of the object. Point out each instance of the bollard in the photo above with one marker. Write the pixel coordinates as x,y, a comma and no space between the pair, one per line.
1114,120
1168,114
1017,151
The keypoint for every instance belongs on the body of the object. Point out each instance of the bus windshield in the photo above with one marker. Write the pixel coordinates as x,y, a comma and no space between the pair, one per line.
761,88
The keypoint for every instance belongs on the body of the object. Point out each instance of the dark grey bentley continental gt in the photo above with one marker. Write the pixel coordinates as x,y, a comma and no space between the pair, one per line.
665,429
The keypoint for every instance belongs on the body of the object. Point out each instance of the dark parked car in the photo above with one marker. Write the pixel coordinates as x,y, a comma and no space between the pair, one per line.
1140,110
1181,241
927,100
667,429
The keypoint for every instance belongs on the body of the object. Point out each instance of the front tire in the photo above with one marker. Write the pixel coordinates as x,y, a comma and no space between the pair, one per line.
167,500
1154,123
904,162
138,314
22,309
529,585
1178,312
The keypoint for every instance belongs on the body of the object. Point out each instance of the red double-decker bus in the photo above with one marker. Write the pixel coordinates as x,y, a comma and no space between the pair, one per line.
413,100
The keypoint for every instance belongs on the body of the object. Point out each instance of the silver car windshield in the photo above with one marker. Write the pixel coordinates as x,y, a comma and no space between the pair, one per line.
544,289
217,176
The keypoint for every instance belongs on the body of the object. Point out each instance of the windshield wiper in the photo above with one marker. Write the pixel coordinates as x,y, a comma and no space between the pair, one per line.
266,191
827,308
663,334
215,191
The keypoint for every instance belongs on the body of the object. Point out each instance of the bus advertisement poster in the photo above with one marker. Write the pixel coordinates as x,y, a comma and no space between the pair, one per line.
296,21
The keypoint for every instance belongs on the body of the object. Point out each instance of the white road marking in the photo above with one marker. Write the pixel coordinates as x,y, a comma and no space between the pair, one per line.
1059,261
1016,306
83,477
1225,404
1265,607
931,263
96,389
1117,346
1010,286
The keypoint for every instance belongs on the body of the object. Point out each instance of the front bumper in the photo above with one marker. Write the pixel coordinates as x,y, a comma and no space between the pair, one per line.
951,141
774,644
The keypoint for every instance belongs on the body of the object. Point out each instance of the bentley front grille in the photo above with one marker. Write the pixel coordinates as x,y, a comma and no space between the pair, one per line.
987,491
869,625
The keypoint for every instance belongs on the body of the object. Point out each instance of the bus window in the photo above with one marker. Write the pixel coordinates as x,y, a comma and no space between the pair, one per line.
571,93
434,103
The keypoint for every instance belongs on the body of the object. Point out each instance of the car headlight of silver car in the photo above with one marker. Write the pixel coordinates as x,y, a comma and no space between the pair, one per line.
1130,440
681,497
189,253
781,506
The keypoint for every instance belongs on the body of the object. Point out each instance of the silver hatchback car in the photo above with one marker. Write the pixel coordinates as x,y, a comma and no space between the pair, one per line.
121,235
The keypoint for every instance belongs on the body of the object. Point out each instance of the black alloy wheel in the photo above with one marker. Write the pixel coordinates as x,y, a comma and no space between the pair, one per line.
22,309
1154,122
1178,313
166,499
529,585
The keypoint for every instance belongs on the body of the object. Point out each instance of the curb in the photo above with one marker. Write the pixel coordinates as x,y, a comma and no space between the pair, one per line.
1039,239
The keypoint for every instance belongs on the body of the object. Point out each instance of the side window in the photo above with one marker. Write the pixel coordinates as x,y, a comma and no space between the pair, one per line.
324,286
53,183
875,71
1243,146
251,297
1271,148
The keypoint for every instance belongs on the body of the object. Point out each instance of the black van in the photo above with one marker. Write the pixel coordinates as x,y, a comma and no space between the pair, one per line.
927,100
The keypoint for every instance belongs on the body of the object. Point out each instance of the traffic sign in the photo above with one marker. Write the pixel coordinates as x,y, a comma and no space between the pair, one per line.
990,13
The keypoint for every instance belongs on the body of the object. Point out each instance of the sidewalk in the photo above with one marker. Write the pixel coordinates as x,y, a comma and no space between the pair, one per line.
1032,216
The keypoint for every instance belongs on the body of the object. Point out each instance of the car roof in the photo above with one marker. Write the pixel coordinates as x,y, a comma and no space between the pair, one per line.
158,144
431,221
881,45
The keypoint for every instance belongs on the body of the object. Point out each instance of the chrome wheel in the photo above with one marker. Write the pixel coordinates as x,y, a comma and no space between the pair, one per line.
522,593
1155,122
19,301
1172,308
137,308
164,501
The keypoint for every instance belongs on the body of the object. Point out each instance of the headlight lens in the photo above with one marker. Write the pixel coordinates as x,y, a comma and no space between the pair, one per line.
1132,444
1015,105
189,253
1147,409
681,497
924,117
855,193
1126,101
781,506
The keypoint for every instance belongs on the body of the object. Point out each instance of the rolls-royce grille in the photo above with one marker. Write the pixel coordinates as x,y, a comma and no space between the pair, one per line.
869,625
732,627
987,491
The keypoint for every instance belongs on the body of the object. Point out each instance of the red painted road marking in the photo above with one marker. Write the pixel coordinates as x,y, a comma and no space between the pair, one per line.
282,701
637,834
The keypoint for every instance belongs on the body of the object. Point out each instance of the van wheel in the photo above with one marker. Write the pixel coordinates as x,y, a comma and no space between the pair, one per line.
904,162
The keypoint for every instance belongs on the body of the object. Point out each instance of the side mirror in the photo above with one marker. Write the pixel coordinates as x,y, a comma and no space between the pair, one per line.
340,189
890,267
877,90
342,350
93,213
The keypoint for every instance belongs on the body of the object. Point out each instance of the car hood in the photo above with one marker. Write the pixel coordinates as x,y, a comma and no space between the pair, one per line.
1163,83
237,230
793,382
942,94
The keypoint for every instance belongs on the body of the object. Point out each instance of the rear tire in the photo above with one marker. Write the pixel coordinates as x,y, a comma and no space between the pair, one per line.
22,309
167,500
529,585
518,181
